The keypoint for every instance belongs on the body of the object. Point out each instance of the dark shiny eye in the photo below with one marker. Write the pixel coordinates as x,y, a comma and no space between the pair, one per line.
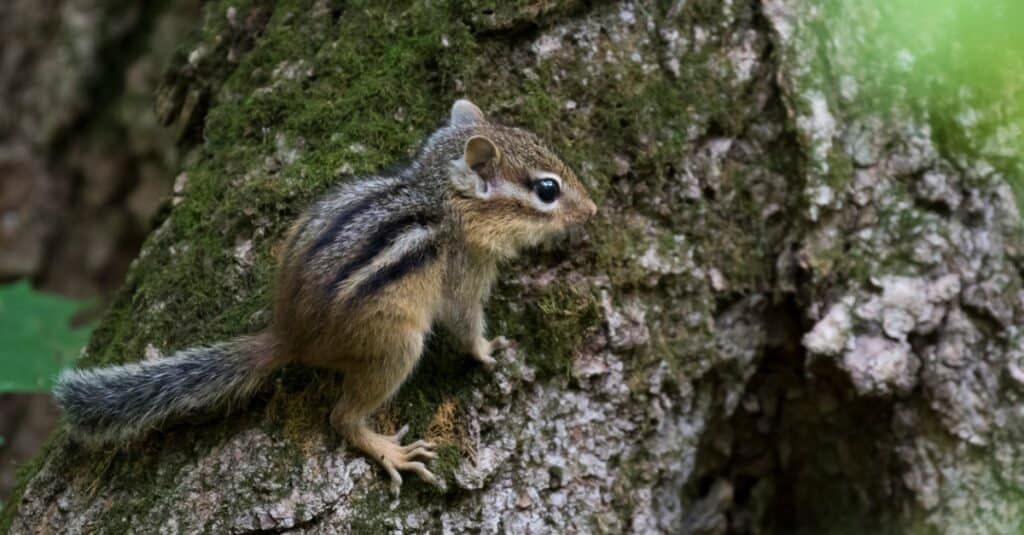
547,189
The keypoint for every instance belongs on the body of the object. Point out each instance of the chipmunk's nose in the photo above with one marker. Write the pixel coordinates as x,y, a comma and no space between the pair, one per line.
591,208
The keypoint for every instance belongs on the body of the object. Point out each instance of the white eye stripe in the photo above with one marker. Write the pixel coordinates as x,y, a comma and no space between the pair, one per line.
537,175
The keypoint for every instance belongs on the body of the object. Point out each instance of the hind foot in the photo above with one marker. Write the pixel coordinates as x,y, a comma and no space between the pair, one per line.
393,456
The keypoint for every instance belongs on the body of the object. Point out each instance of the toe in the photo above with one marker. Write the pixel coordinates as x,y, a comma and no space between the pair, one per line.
501,343
396,478
420,452
421,470
397,437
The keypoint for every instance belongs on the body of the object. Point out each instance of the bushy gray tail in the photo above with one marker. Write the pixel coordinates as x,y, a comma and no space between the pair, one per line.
119,403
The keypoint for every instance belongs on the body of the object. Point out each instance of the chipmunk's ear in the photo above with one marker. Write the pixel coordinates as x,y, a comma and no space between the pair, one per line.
465,113
472,172
479,152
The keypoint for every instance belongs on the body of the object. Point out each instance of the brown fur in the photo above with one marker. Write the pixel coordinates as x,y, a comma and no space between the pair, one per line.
364,274
478,177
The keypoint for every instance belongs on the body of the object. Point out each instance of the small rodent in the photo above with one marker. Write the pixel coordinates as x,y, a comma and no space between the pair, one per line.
365,273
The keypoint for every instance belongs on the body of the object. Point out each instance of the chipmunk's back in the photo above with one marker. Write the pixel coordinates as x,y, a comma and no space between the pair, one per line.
354,248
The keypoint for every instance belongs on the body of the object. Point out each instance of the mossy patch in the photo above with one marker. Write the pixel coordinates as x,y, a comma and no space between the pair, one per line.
549,326
329,91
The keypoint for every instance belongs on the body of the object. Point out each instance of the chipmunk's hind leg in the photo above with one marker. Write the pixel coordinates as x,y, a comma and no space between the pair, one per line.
362,394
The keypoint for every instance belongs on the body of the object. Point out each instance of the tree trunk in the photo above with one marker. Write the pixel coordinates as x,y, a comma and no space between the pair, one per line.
794,312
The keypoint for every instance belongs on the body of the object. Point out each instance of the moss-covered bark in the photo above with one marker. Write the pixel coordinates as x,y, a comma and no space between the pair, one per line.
763,330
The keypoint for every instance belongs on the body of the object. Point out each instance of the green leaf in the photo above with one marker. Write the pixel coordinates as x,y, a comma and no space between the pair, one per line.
36,338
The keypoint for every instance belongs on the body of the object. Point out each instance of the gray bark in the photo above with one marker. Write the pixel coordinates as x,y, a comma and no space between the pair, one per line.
796,312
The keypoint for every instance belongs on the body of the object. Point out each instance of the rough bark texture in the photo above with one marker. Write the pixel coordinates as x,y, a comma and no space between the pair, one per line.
796,312
25,422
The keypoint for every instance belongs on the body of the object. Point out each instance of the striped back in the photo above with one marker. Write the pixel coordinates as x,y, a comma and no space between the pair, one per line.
367,235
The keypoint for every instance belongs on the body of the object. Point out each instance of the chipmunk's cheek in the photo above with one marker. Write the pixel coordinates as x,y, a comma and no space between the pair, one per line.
544,233
500,189
558,231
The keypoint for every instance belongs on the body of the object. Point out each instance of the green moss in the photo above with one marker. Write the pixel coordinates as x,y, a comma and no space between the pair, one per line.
187,273
368,512
517,15
346,89
616,247
367,64
549,326
840,170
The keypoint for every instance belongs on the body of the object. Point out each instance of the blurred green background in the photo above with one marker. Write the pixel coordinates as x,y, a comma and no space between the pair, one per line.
958,64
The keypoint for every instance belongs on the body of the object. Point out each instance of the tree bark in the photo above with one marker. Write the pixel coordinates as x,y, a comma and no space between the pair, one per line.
84,163
795,311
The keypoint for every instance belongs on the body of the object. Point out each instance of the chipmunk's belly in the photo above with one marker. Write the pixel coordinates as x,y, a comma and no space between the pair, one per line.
389,325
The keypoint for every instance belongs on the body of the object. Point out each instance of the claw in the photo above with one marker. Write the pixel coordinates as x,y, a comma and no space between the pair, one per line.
422,471
393,456
396,478
397,437
501,343
484,348
421,452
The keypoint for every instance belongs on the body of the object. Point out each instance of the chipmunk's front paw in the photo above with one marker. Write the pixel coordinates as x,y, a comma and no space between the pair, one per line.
484,348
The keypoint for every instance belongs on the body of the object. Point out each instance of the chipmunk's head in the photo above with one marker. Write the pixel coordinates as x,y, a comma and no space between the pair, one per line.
509,189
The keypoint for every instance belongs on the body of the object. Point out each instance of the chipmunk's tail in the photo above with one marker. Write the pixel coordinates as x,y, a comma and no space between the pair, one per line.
119,403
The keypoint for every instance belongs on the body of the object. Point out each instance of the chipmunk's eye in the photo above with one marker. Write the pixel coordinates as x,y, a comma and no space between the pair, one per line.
547,189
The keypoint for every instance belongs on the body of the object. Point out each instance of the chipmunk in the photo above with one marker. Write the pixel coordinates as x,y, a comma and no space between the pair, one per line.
365,273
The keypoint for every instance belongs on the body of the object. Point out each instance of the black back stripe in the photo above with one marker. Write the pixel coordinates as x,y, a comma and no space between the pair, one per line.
410,262
339,222
384,237
299,232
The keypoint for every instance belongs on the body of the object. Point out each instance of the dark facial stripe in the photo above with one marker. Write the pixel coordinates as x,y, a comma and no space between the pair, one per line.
339,222
413,260
383,238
